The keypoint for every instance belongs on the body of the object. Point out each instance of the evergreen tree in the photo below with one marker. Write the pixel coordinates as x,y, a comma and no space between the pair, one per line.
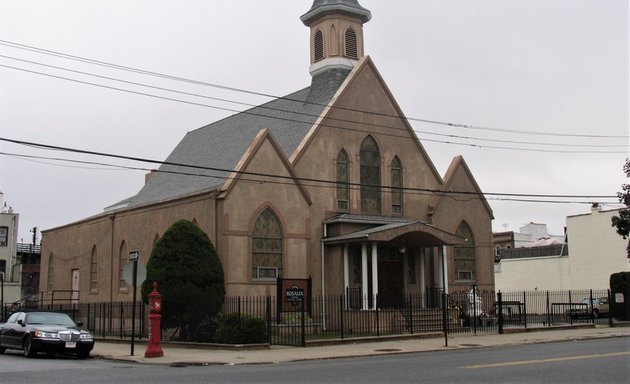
190,277
622,222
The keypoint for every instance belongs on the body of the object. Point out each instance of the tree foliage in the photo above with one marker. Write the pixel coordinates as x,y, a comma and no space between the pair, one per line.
190,277
622,222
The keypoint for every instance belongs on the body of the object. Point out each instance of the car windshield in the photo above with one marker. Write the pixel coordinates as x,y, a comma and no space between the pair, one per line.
49,319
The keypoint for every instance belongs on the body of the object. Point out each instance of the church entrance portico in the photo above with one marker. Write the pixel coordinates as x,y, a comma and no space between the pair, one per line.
384,263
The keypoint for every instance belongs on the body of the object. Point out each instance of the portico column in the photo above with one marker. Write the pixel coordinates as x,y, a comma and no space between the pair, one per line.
443,268
374,274
346,273
364,276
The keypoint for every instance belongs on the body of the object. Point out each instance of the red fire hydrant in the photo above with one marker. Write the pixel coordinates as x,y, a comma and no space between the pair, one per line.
155,306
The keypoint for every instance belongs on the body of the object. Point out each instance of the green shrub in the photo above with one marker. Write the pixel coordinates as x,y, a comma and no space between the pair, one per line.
243,329
206,330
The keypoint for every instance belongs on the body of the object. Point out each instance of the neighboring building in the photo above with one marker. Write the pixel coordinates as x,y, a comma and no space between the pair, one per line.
592,253
530,235
329,182
9,267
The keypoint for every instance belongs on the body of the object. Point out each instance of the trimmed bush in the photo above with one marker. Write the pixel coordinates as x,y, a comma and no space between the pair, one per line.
243,329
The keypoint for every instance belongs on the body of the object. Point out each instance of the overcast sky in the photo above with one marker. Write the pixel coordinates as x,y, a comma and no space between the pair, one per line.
533,71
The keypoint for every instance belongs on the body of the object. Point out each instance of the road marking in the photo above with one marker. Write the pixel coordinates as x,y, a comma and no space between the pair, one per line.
550,360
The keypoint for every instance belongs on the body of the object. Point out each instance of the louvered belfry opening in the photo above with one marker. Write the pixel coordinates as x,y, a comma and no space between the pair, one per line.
319,45
351,44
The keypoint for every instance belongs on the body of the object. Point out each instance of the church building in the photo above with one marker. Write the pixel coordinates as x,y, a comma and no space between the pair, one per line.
329,182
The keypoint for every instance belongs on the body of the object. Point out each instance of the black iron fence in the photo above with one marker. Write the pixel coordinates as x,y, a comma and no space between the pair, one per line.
356,316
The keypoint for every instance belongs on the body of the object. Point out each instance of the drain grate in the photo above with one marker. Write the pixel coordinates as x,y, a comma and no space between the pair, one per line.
387,350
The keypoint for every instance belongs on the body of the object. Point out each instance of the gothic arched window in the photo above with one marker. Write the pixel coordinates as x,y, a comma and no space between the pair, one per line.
465,268
370,176
343,178
51,272
397,185
93,271
123,259
267,246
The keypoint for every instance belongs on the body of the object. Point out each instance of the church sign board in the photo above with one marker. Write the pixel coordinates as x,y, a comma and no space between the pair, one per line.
294,295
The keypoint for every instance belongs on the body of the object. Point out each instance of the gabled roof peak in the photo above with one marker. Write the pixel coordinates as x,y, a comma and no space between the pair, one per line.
321,7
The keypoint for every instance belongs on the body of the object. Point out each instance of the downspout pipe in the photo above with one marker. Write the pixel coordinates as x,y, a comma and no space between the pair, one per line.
323,279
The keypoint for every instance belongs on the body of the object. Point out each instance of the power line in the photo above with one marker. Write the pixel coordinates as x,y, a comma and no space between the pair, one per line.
266,107
332,184
240,90
252,112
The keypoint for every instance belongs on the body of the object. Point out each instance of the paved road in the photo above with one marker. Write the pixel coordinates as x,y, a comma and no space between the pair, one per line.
586,361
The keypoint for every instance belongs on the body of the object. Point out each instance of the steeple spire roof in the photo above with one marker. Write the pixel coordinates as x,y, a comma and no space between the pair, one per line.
322,7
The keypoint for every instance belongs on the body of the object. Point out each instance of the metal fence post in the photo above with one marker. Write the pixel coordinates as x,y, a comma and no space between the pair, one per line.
342,305
548,311
303,324
500,314
610,307
524,308
444,318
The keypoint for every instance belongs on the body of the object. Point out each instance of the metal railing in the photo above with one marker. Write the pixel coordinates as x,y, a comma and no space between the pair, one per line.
350,316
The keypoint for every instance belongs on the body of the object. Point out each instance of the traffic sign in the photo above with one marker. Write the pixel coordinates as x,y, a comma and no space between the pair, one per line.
128,274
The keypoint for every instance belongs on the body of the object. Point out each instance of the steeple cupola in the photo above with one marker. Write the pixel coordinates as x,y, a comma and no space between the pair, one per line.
336,34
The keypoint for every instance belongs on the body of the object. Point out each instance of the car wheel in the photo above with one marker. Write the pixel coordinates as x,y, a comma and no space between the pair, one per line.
2,349
595,313
28,347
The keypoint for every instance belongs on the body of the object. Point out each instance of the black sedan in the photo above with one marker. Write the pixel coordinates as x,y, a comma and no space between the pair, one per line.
48,332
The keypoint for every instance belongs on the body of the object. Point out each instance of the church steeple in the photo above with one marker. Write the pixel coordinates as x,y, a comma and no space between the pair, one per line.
336,34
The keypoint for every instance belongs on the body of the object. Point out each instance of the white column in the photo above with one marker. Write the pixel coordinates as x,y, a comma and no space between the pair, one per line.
346,273
364,276
421,280
444,274
374,274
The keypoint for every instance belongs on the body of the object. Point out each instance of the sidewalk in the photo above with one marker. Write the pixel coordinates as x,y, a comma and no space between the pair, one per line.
177,355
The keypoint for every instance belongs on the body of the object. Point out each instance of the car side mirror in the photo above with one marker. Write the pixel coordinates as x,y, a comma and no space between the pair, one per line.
79,323
21,322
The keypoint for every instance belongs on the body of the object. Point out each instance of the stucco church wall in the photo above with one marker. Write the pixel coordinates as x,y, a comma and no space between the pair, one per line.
248,198
72,245
451,212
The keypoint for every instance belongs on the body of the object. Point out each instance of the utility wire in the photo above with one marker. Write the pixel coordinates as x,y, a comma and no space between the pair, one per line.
181,79
290,178
267,107
252,112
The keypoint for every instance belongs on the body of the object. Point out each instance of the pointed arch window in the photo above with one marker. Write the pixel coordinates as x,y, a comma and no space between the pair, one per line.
351,44
319,45
465,266
123,259
343,178
370,176
267,248
397,185
93,271
51,272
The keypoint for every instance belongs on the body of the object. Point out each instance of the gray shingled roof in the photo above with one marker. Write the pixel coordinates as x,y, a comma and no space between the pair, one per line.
221,145
321,7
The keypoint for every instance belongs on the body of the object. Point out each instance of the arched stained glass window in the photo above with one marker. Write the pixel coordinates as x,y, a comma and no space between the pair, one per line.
343,178
465,268
267,248
397,185
370,176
